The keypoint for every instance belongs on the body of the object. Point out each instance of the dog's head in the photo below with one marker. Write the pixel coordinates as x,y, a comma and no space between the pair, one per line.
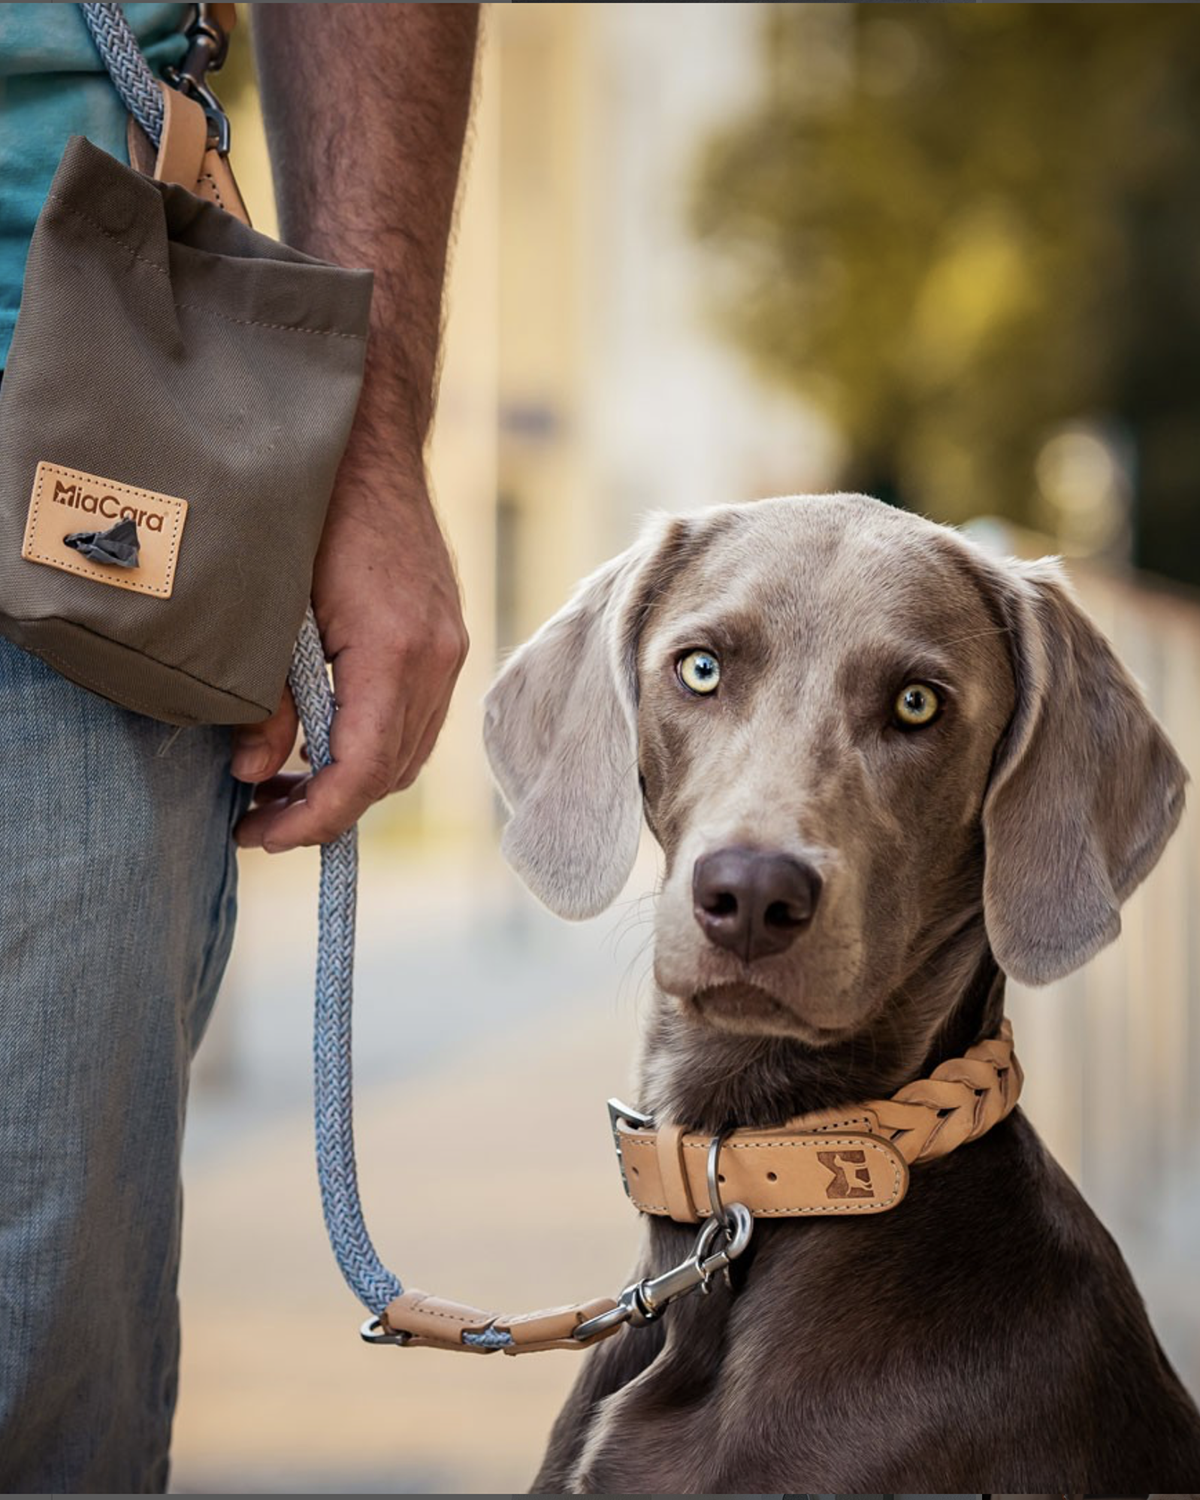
853,733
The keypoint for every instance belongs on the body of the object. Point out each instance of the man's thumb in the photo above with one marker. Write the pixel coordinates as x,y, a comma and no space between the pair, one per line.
259,750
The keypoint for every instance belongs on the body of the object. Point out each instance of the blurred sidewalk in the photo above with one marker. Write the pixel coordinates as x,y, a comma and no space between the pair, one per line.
475,1009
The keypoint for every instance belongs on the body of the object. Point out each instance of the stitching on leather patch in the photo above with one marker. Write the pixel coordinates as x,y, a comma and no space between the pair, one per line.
65,501
213,188
467,1320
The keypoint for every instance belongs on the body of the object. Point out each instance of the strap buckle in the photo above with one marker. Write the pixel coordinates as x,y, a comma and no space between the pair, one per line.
618,1112
208,46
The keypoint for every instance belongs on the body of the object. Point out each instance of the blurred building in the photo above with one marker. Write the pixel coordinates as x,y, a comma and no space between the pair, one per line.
617,397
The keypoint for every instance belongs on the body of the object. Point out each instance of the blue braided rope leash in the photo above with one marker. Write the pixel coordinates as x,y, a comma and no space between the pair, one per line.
131,74
366,1275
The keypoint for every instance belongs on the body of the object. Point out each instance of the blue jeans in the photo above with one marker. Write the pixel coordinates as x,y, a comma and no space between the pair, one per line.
117,900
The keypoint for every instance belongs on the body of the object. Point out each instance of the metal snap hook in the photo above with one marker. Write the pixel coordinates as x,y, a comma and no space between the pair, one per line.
645,1300
373,1331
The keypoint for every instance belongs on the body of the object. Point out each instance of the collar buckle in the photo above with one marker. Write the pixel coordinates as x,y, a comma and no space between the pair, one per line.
619,1113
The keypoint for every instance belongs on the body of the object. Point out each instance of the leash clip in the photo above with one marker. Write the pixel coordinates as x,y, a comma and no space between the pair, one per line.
208,46
643,1301
658,1292
372,1332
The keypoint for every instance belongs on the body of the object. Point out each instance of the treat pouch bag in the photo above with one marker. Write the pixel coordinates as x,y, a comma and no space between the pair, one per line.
177,399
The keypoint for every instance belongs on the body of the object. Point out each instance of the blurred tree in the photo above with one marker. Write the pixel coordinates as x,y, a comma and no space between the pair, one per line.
957,227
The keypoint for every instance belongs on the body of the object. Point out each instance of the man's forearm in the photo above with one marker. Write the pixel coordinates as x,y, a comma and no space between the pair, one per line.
366,109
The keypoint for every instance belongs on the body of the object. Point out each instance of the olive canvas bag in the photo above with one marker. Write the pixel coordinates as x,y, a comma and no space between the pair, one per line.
177,398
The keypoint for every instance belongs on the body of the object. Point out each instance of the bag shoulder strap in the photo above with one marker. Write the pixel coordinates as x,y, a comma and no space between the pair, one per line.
169,135
183,144
185,154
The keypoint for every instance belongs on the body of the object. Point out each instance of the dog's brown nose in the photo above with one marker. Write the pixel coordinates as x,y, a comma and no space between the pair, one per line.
752,902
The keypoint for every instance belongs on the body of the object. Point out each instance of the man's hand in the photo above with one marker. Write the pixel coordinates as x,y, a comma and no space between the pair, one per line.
387,603
366,108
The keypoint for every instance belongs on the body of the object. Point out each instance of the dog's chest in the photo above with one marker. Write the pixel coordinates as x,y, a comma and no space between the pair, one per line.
839,1344
750,1387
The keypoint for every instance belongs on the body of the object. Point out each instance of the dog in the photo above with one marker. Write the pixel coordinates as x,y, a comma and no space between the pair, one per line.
885,770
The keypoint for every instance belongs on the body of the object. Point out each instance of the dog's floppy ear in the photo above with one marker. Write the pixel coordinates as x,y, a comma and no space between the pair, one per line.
1085,791
560,728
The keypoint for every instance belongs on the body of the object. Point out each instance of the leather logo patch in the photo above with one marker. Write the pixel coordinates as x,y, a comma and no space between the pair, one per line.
66,502
851,1174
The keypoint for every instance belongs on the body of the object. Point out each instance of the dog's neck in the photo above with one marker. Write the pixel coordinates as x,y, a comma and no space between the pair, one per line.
696,1076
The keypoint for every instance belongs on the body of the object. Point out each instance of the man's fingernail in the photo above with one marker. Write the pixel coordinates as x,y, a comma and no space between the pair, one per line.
251,758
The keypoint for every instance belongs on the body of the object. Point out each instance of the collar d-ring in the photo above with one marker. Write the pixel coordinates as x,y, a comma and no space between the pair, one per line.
720,1213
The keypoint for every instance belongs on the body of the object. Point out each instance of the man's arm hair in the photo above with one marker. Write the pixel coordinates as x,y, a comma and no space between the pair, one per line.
366,109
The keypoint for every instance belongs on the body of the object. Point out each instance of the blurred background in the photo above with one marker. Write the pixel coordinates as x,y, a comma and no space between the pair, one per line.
943,253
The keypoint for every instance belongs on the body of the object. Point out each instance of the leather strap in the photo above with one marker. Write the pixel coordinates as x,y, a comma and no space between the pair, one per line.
433,1322
832,1162
217,184
184,155
184,140
673,1173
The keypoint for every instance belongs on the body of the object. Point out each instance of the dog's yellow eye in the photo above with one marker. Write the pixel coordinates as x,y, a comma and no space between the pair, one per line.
916,705
699,671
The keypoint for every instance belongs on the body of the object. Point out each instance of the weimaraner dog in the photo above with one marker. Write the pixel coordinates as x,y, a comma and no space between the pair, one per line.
885,770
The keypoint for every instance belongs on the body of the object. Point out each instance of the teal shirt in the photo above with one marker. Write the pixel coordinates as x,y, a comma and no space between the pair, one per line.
52,86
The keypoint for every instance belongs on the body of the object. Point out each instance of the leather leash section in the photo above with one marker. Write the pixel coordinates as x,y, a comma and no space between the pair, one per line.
422,1320
417,1318
833,1161
852,1161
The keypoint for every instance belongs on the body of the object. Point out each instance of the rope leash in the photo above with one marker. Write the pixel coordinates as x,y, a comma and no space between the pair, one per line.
131,74
366,1275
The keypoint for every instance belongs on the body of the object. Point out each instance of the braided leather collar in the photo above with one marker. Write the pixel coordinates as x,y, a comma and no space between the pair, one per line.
848,1161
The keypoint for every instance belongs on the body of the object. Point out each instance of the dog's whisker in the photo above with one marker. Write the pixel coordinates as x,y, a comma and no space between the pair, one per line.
977,635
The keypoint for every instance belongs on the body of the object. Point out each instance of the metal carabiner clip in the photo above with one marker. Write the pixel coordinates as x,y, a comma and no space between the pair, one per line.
208,45
643,1301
